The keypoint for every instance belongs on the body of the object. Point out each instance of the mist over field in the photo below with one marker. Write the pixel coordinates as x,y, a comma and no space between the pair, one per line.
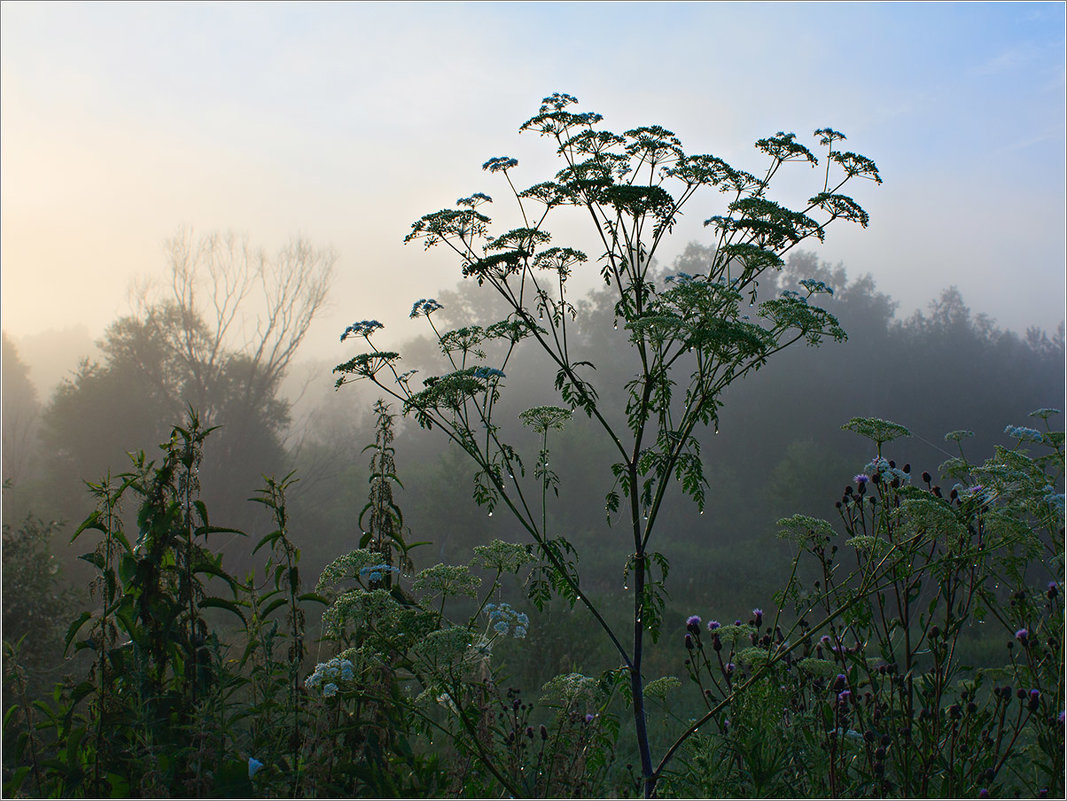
356,443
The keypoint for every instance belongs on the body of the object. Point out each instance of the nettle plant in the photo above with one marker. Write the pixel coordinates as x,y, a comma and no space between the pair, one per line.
688,337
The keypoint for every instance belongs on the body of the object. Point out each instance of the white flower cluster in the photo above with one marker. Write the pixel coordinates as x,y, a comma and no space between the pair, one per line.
504,619
327,674
1023,434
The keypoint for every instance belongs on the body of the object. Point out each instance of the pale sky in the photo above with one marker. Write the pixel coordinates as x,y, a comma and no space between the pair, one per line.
346,122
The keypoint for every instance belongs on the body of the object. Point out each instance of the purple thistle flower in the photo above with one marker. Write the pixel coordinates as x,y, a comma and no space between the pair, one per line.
1053,589
758,614
1035,699
843,696
1062,715
692,624
861,478
589,717
983,793
713,624
730,667
1021,635
840,682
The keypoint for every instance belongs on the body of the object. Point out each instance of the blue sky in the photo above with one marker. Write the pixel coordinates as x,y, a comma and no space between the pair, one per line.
346,122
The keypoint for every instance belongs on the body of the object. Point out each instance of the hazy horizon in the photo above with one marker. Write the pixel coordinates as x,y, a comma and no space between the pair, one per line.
345,123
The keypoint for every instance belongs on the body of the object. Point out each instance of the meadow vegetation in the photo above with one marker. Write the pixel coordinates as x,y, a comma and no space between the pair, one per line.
592,632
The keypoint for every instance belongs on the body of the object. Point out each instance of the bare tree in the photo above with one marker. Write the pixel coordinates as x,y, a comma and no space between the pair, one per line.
239,309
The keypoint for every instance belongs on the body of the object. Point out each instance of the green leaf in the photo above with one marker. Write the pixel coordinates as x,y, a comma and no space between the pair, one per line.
222,603
268,540
94,558
277,602
75,627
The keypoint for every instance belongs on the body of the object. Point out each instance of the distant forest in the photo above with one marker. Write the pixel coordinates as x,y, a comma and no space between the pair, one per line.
778,448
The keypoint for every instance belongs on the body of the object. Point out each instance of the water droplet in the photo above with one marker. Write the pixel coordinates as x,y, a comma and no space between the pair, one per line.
701,511
625,587
615,325
716,429
490,512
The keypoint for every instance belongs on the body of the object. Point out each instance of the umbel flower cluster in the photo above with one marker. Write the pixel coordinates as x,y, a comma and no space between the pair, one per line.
327,674
504,620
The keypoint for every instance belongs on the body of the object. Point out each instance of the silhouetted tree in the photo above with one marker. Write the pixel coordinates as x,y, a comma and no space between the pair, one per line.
220,340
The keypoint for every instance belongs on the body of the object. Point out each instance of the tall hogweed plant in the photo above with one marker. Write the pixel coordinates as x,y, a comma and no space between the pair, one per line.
688,338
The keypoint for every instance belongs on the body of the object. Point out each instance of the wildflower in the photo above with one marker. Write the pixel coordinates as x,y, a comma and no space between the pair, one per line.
689,642
329,690
844,696
713,624
488,372
504,619
589,717
1035,698
693,624
861,478
730,667
364,328
1021,635
983,793
1053,588
374,572
254,766
347,671
1062,715
681,278
814,286
424,307
758,615
840,682
500,164
1023,434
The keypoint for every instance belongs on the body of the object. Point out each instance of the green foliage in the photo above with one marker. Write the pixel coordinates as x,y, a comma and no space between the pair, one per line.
690,338
862,684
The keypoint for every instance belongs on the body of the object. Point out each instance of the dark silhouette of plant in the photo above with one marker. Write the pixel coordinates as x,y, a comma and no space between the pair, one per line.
688,338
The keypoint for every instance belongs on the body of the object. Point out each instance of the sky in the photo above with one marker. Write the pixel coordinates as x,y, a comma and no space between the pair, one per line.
343,123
